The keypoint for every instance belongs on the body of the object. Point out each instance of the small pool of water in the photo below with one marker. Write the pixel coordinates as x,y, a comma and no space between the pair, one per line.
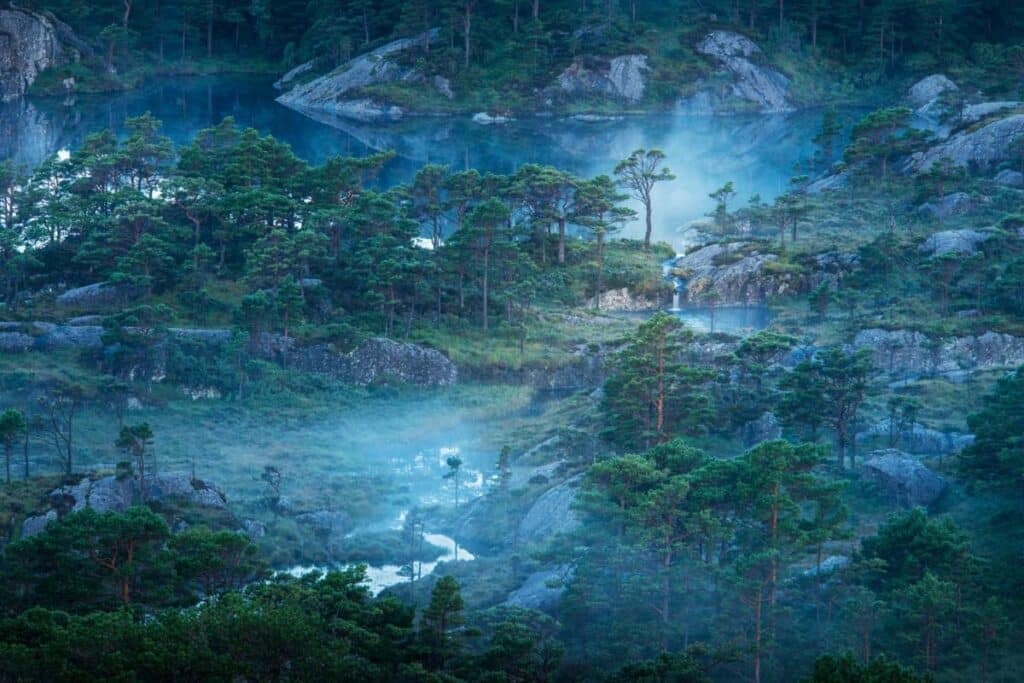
737,320
379,578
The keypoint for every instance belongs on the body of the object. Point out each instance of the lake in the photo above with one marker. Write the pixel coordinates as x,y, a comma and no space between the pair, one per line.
757,153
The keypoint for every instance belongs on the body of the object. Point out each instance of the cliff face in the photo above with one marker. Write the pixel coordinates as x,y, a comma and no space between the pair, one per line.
30,43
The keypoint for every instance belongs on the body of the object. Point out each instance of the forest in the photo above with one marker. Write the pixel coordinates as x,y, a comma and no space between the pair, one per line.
374,416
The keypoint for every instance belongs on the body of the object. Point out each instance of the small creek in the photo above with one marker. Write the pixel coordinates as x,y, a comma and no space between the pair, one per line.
385,576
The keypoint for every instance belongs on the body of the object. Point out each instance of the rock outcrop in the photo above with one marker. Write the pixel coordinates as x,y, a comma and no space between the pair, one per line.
541,590
551,513
29,44
332,92
1009,178
288,79
980,148
751,87
902,478
621,301
953,204
117,494
906,352
622,78
917,439
963,242
377,360
929,89
100,294
741,275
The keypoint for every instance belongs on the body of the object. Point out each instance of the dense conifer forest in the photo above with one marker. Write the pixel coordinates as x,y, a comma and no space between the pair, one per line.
269,414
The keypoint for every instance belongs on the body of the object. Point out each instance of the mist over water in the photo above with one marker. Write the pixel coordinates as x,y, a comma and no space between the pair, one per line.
758,153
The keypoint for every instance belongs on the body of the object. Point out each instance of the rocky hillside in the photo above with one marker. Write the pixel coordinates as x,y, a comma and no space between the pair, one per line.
30,43
736,78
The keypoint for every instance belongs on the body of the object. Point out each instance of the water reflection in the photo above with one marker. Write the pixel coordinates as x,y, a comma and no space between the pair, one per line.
757,153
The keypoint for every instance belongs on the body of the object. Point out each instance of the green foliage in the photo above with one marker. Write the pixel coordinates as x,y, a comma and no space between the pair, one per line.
997,454
845,669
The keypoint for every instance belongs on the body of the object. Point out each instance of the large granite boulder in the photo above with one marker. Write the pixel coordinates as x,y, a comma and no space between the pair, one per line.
752,85
29,44
622,78
974,148
960,242
903,478
333,92
929,89
552,513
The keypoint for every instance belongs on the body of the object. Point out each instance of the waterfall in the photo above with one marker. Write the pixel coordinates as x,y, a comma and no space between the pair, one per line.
675,300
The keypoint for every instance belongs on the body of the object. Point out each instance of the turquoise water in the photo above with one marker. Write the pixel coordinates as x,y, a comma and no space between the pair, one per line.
757,153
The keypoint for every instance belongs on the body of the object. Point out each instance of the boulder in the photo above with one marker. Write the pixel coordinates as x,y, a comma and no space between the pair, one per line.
485,119
737,272
552,513
929,89
1010,178
622,78
29,44
34,525
963,242
972,113
903,478
443,86
328,92
753,86
100,294
541,590
980,148
254,529
953,204
621,300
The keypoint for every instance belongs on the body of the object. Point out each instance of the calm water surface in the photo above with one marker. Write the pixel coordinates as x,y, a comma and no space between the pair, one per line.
758,153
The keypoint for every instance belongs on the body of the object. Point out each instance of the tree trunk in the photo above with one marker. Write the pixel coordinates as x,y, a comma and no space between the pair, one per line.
467,25
647,217
487,254
561,240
